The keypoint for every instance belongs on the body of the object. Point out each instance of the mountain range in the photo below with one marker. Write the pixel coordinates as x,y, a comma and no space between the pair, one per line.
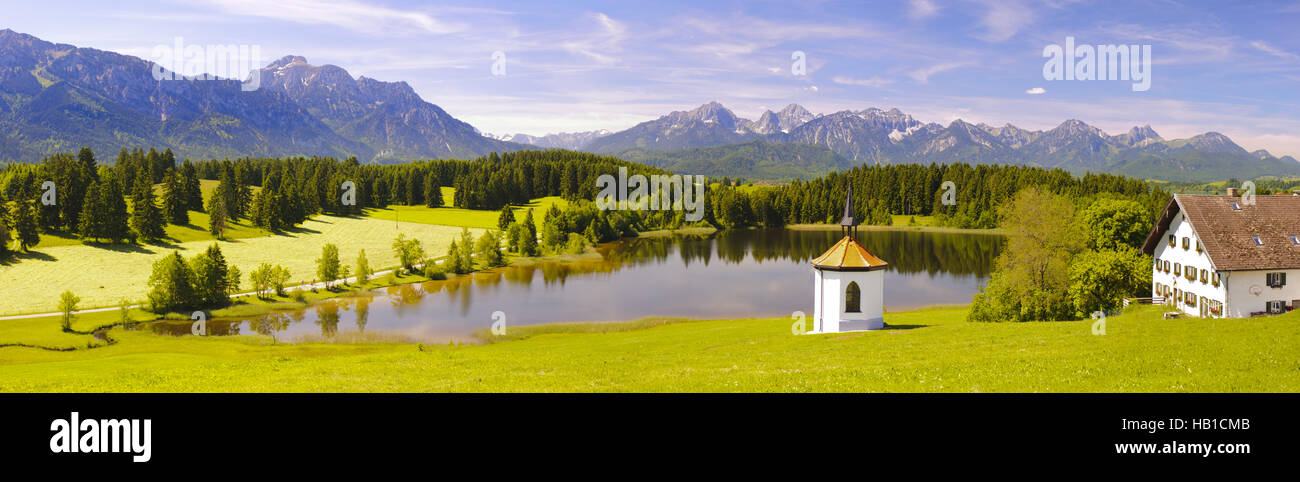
58,97
875,136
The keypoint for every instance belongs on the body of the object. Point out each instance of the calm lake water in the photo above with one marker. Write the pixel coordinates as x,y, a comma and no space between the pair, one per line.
733,274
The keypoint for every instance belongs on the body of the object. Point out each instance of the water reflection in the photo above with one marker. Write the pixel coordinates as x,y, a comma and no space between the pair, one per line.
720,275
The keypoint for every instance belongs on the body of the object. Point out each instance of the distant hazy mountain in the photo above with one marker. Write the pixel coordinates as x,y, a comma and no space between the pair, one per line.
708,125
880,136
751,160
573,141
56,97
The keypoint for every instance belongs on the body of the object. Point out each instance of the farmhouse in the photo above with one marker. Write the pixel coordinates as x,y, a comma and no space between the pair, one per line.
1225,256
848,283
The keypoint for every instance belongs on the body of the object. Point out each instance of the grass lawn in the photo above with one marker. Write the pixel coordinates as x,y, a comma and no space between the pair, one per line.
929,350
461,217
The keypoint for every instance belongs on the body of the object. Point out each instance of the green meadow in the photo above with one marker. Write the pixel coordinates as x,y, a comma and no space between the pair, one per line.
927,350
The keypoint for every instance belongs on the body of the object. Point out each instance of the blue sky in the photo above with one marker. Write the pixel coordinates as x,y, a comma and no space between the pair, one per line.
570,66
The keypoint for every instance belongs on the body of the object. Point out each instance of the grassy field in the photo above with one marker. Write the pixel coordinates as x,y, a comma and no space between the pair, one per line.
930,350
104,275
461,217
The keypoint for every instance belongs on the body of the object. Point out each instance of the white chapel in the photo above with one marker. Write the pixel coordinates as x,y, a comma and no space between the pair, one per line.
848,283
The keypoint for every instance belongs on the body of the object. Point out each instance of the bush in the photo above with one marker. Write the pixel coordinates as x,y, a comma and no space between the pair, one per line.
434,271
576,244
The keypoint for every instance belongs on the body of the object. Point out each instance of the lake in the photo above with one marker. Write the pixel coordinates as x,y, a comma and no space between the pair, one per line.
729,274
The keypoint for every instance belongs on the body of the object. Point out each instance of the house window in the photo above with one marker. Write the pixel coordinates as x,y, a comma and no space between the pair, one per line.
1214,278
1166,266
1171,240
1258,242
1189,298
1178,269
853,298
1275,280
1198,246
1187,243
1205,275
1275,307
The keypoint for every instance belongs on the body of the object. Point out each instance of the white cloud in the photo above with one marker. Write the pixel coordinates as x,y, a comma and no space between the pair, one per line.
922,8
349,14
867,82
1036,91
1004,19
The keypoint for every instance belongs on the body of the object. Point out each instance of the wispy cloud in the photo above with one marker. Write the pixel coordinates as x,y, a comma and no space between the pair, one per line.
602,44
923,75
349,14
1274,51
1036,91
867,82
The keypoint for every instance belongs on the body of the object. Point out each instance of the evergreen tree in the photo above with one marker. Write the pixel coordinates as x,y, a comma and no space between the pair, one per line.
146,218
528,237
25,224
193,191
217,215
4,227
432,191
414,194
506,217
92,214
174,203
212,278
112,197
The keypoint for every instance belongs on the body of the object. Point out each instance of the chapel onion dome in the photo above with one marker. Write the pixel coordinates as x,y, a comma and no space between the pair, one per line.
848,255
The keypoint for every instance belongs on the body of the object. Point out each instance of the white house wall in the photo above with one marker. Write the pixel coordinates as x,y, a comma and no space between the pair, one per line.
1242,286
828,313
1235,289
1186,258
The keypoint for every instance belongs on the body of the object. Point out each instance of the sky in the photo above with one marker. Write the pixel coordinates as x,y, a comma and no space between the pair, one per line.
586,65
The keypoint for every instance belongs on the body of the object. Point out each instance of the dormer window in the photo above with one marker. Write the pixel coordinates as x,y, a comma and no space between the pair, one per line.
1258,242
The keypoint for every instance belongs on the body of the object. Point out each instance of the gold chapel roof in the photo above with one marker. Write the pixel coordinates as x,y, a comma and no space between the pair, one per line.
848,255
